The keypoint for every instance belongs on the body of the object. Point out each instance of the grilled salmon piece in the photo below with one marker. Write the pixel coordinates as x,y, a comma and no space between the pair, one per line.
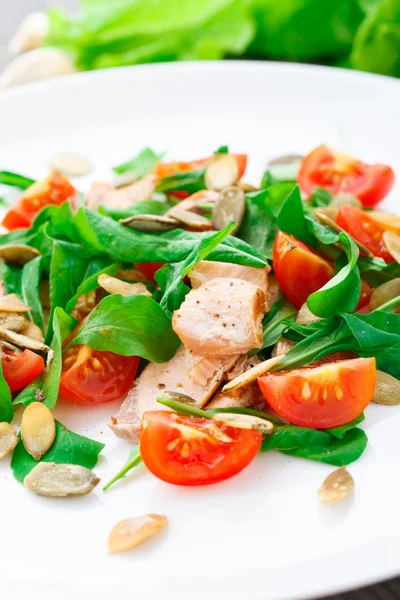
106,195
184,373
209,269
222,317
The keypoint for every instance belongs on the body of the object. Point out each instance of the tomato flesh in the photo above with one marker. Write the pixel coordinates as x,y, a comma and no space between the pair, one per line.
149,269
92,377
20,370
55,189
298,270
166,169
185,450
321,397
365,295
337,172
365,229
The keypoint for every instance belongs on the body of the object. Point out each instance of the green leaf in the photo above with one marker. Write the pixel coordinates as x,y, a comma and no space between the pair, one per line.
68,448
31,275
274,325
340,432
170,277
191,182
376,271
291,218
147,207
11,277
90,283
141,164
377,42
342,292
127,245
45,387
318,445
67,270
15,180
320,198
6,407
134,459
222,150
131,326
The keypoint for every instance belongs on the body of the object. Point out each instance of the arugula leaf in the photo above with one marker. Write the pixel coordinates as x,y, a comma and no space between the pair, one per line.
68,448
342,292
90,283
15,180
67,270
6,407
376,271
320,198
62,221
146,207
275,323
46,386
134,459
170,277
131,326
141,164
291,218
340,432
222,150
127,245
31,275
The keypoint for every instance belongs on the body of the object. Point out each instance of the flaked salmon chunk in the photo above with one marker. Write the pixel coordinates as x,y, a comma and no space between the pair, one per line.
184,373
248,395
222,317
106,195
209,269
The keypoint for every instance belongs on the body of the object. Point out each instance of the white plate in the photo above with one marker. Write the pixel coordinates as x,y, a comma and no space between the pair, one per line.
262,535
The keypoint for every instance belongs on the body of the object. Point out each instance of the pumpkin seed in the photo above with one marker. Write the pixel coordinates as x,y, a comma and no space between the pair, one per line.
12,304
189,218
8,439
84,305
18,254
60,481
178,396
336,486
123,179
325,220
391,221
229,207
285,168
305,316
392,243
385,292
197,200
38,429
113,285
13,321
329,212
130,532
71,164
282,346
344,199
31,330
222,171
130,275
247,187
387,389
252,374
217,433
150,223
244,422
22,341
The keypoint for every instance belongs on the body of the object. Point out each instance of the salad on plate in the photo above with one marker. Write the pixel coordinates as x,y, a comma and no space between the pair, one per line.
227,318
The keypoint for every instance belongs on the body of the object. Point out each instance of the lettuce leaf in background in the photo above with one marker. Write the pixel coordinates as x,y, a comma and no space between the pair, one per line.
377,42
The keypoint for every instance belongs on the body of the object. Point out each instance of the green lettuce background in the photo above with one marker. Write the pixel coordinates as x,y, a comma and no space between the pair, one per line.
360,34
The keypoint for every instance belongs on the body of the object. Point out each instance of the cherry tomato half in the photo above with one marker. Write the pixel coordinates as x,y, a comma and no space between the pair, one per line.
164,169
91,376
365,229
365,295
337,172
55,189
321,397
149,269
186,450
298,270
20,369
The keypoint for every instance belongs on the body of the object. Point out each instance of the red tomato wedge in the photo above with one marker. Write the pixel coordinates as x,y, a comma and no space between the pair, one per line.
365,296
20,369
321,397
190,451
55,189
91,376
166,169
365,229
149,269
298,270
337,172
